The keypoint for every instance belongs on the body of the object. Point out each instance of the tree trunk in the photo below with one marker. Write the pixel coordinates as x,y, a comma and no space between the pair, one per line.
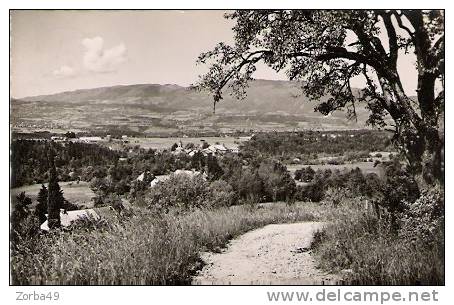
418,135
432,158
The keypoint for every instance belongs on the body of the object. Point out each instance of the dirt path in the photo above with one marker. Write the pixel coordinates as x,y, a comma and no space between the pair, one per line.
275,254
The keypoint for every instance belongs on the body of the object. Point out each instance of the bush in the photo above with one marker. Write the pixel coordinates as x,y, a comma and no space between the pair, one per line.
180,191
365,246
305,174
277,182
24,223
338,196
399,187
313,192
423,220
398,190
250,187
222,194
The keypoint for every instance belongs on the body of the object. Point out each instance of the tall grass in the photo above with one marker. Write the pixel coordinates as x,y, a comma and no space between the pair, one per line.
146,249
372,254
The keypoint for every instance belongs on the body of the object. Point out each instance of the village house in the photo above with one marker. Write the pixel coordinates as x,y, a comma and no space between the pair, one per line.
68,217
59,139
90,139
214,150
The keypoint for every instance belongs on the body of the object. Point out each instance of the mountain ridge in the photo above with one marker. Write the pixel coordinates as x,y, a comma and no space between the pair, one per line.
269,101
263,96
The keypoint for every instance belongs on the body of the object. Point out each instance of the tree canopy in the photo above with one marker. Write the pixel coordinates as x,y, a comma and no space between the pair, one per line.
325,49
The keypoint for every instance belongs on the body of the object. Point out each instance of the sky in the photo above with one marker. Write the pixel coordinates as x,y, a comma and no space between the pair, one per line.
54,51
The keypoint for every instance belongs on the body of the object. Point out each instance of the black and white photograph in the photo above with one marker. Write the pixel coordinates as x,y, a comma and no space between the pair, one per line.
259,147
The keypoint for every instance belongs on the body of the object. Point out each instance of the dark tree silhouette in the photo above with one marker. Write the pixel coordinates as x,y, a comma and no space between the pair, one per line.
55,198
20,208
41,207
325,49
306,174
174,147
23,225
214,170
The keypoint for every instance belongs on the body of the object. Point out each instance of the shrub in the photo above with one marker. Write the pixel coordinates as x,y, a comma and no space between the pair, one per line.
338,196
180,191
214,170
313,192
334,162
277,182
222,194
24,223
423,220
399,189
250,186
305,174
365,245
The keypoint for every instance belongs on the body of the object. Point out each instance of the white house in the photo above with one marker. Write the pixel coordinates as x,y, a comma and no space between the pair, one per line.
90,139
58,139
68,217
158,179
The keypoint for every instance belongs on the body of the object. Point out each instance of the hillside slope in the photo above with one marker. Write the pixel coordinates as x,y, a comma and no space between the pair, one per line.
273,104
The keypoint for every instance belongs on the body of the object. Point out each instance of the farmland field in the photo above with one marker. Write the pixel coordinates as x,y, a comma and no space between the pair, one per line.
79,194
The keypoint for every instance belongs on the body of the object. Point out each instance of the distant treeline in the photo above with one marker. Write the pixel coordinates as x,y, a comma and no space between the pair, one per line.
117,132
29,159
310,143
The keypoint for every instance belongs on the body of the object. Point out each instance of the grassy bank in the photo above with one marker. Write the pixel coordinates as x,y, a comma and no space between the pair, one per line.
146,249
364,249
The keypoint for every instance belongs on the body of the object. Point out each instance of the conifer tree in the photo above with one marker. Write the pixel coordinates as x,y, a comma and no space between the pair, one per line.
41,207
55,195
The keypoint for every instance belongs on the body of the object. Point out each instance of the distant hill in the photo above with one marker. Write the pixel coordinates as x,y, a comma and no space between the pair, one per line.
264,98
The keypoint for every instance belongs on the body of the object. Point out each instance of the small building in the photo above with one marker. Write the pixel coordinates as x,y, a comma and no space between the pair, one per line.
220,148
68,217
58,139
145,176
217,149
245,138
90,139
159,178
141,177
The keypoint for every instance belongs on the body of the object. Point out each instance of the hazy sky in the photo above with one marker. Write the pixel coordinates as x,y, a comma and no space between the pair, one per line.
53,51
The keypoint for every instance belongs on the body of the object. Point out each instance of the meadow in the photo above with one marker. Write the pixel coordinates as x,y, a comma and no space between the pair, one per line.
76,193
165,249
147,248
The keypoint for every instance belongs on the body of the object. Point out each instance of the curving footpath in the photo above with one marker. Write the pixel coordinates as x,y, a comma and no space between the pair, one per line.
276,254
